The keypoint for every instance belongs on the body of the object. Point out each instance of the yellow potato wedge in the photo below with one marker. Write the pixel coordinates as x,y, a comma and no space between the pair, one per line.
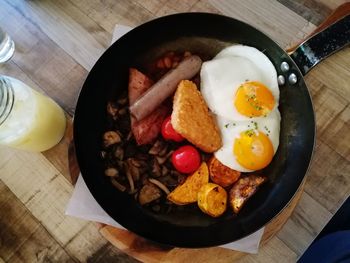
212,199
187,192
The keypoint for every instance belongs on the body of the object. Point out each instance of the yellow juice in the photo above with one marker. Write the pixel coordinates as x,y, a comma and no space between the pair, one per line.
35,123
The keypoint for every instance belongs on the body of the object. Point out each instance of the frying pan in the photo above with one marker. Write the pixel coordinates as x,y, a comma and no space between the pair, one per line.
205,34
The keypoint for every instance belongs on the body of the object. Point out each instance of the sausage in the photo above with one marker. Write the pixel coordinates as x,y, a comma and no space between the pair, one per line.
166,86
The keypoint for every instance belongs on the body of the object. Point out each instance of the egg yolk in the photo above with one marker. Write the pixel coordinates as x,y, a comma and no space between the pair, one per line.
253,150
254,99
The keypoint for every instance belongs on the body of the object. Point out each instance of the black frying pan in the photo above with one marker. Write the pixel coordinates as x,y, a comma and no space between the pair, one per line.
205,34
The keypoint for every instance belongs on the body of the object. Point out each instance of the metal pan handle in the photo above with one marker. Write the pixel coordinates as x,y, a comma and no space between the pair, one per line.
331,36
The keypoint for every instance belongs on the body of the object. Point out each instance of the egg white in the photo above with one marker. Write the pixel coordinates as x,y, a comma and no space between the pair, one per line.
234,65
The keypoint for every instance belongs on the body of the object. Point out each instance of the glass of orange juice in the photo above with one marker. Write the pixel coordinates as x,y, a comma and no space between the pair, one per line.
28,119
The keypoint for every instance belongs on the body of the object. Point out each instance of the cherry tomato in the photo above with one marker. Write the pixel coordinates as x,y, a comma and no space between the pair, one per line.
168,131
186,159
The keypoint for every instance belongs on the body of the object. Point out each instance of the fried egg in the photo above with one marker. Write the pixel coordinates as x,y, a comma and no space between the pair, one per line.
241,89
248,145
240,83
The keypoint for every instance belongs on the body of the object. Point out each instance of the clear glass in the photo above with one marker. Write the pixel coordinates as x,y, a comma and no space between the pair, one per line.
28,119
7,46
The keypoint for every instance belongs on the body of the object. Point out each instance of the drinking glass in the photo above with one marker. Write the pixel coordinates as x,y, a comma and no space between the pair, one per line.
7,46
29,120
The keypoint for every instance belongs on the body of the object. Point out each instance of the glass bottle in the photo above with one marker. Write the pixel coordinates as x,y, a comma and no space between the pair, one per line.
28,119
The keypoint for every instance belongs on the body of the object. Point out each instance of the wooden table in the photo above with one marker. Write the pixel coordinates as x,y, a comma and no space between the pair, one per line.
57,43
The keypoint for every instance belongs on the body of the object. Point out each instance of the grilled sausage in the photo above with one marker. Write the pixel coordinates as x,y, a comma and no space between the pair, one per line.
166,86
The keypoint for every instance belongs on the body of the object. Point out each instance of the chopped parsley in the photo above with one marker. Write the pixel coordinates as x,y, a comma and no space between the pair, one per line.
250,133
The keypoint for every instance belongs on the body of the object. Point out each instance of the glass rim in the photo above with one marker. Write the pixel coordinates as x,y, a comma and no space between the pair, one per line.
6,98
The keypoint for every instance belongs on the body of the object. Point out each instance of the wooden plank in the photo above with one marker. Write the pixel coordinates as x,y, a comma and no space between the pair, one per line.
306,222
332,4
274,251
337,135
313,85
311,10
328,180
94,29
204,6
84,244
334,73
43,190
177,6
89,246
108,253
271,17
134,245
328,105
108,13
152,6
16,223
58,155
40,247
172,7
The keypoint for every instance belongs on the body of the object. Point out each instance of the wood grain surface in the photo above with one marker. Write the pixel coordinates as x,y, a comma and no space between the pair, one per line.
57,43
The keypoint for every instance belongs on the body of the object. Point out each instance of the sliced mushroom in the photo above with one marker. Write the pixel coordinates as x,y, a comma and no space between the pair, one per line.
164,170
130,180
112,109
118,185
158,147
161,160
119,153
160,185
169,181
148,193
164,151
133,169
110,138
111,172
156,169
134,162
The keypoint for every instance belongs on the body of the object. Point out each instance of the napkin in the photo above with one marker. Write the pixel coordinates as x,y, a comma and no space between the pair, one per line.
83,205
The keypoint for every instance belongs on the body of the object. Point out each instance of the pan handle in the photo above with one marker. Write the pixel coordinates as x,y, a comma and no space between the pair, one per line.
331,36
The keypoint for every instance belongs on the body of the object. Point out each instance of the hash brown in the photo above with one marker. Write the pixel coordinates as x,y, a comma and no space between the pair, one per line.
191,118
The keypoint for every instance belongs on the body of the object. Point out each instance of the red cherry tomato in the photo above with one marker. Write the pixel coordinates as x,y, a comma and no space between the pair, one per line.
186,159
168,131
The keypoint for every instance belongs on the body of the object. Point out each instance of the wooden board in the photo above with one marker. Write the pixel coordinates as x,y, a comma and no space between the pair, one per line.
57,42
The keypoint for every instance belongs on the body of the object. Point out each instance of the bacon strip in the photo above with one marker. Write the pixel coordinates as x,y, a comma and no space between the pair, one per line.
146,130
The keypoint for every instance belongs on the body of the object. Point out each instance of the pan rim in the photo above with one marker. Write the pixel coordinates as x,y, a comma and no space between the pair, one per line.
84,170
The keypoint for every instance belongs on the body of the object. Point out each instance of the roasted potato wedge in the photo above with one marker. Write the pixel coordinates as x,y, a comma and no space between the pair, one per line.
187,192
243,189
212,199
221,174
